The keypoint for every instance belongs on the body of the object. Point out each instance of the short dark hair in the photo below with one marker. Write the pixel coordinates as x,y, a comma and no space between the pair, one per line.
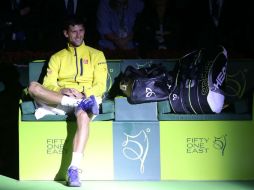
72,21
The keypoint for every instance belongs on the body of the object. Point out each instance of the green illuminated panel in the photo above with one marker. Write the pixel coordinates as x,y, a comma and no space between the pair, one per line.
41,145
207,150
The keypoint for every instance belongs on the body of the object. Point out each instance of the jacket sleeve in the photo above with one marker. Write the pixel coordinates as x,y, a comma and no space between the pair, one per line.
51,77
99,76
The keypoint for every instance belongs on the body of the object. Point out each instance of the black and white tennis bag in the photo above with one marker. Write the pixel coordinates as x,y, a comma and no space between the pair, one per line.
199,82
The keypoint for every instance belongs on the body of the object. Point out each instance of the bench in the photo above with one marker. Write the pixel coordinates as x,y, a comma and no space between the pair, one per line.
139,142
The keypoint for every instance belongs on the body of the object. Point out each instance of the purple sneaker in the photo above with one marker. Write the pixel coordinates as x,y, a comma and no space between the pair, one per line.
89,104
73,177
85,104
95,108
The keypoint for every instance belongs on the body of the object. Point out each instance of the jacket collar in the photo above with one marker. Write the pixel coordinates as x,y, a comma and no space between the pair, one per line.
78,49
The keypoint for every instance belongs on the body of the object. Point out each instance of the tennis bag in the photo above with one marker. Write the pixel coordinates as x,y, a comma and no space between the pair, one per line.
145,84
199,82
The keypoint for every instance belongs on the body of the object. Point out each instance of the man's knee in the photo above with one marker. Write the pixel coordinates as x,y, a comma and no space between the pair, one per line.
80,114
34,88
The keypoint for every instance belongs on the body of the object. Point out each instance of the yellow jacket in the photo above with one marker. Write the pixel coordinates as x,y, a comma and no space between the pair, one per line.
83,68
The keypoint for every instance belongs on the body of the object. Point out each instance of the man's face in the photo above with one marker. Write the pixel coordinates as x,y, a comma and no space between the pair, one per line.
75,35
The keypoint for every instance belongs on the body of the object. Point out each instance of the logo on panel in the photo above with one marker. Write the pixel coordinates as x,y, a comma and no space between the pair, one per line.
198,145
136,150
55,146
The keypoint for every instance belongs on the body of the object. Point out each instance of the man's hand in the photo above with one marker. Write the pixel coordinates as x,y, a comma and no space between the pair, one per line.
71,92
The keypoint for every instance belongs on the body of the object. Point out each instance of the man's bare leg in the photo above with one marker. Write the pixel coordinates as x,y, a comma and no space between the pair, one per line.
79,143
80,138
43,95
82,133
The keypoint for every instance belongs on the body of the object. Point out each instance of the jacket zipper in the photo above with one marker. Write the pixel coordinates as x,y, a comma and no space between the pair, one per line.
76,57
81,67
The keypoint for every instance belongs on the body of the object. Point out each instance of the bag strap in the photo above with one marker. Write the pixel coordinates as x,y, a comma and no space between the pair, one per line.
154,70
130,71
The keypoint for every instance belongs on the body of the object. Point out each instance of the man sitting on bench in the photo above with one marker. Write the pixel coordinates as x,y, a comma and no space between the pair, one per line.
74,83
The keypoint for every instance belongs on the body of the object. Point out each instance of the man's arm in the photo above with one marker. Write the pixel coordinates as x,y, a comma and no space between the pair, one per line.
50,79
100,76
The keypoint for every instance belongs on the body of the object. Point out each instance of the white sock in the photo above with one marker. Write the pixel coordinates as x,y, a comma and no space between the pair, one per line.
76,159
68,101
215,101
